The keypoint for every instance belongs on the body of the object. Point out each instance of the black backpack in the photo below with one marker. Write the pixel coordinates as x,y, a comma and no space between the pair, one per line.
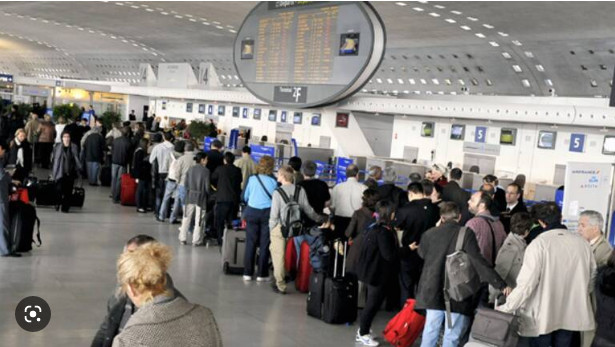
292,219
21,232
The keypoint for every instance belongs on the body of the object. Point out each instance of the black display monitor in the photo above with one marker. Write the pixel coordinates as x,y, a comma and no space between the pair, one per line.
458,131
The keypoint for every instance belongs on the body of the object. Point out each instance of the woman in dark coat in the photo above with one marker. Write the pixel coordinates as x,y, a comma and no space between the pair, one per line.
605,302
141,171
20,155
66,165
361,218
377,266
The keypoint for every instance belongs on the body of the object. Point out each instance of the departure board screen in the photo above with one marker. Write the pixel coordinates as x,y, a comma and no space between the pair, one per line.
305,54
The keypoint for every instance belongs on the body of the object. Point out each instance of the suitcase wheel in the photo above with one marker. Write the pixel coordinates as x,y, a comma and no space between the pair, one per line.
225,269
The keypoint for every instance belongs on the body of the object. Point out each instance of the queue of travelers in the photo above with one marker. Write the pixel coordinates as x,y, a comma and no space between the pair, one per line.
561,284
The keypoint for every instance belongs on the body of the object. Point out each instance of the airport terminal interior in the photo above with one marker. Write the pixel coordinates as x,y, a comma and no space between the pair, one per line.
187,121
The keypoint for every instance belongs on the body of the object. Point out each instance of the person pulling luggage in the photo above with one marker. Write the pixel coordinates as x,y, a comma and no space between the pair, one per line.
197,192
5,223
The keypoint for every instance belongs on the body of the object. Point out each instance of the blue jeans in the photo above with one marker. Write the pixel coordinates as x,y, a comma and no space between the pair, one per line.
179,203
116,173
93,168
169,190
433,324
257,235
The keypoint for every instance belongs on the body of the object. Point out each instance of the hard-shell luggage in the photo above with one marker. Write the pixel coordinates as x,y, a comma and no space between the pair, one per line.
31,184
494,328
23,219
128,191
78,197
340,302
405,327
105,176
47,194
233,251
21,194
304,270
316,294
290,258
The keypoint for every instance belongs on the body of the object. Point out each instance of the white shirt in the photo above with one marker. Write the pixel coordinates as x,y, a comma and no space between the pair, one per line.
163,153
347,197
510,207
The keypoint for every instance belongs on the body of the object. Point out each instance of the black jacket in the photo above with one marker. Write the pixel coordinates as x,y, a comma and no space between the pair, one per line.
15,122
360,220
227,180
414,219
122,150
378,258
214,160
436,244
499,199
141,167
391,192
605,313
506,216
453,192
94,148
75,133
22,171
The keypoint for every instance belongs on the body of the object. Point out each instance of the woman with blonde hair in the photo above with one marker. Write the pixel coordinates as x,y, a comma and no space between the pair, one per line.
162,319
257,195
20,155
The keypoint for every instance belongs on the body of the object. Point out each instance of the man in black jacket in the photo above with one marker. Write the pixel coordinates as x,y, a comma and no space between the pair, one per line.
227,181
453,192
499,196
436,244
93,152
120,159
412,221
214,156
513,205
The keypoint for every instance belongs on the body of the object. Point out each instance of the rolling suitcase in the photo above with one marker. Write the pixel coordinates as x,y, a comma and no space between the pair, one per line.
304,270
405,327
128,191
47,194
78,197
23,219
233,251
315,294
105,176
340,301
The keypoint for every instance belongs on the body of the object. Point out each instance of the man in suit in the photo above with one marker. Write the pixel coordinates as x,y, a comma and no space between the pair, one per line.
499,198
513,206
453,192
411,221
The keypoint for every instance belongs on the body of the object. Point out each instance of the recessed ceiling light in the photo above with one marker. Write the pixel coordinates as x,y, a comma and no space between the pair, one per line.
472,19
149,10
433,14
401,4
529,54
517,68
205,23
457,12
488,26
452,21
418,9
439,6
506,55
525,83
465,27
494,44
502,34
517,43
164,13
480,35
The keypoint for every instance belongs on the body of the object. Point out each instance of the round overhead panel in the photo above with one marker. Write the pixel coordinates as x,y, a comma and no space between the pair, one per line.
305,54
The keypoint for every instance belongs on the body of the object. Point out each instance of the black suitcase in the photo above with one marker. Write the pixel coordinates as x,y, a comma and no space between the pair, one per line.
105,176
31,184
46,194
21,232
78,197
340,295
315,294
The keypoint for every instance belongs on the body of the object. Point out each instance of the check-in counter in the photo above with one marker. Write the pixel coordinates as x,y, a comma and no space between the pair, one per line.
539,192
314,154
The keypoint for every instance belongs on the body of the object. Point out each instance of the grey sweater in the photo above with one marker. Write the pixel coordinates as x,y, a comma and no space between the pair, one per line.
170,324
277,203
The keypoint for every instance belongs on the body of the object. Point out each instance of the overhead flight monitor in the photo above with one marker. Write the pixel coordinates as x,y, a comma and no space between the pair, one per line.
305,54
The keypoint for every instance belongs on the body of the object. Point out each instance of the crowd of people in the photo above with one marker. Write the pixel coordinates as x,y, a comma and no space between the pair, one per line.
560,283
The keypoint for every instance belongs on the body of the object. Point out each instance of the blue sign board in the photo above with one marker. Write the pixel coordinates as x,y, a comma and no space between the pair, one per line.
244,113
259,151
320,167
233,139
480,134
340,169
207,144
577,143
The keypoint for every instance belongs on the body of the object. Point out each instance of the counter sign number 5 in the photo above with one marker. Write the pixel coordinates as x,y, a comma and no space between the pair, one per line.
480,134
577,143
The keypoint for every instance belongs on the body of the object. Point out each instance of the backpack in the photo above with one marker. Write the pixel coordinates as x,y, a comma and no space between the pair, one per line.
292,222
461,281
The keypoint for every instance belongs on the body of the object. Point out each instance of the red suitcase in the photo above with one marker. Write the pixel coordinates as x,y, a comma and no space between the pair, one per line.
302,281
128,191
405,327
290,258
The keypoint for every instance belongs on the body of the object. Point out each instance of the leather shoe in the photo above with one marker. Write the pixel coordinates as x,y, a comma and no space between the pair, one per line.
277,290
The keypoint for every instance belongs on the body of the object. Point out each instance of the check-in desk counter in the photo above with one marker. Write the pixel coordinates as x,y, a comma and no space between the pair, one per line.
314,154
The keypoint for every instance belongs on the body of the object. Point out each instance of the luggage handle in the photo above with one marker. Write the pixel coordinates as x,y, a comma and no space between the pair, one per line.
344,259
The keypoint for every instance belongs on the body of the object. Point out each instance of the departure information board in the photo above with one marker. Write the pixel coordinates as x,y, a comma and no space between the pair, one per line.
306,54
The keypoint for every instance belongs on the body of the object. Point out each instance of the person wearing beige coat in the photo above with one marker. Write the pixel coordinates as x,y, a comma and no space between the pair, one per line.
552,297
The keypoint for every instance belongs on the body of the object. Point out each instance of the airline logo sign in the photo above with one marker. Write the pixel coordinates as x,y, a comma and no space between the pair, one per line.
577,143
480,134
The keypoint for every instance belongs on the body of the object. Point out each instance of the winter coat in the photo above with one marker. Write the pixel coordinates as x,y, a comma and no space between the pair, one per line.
197,186
378,258
605,313
59,158
47,132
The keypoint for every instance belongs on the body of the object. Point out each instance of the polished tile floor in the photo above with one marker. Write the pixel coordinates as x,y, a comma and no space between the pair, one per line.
74,271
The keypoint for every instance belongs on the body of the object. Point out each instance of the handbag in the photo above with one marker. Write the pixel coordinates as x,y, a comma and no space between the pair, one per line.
495,328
